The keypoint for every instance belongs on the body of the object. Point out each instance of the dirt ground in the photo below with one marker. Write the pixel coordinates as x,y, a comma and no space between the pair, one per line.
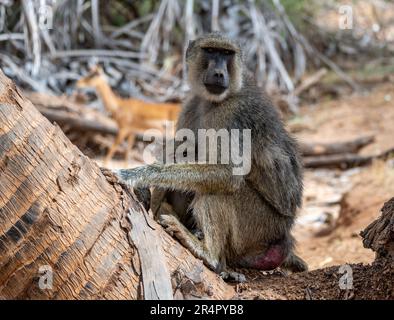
356,195
322,284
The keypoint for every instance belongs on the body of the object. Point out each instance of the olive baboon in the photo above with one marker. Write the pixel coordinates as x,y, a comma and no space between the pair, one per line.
245,219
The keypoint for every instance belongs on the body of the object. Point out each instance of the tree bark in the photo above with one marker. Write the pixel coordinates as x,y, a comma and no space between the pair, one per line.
379,235
59,212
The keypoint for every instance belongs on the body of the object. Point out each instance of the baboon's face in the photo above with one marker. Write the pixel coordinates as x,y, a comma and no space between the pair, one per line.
216,63
214,68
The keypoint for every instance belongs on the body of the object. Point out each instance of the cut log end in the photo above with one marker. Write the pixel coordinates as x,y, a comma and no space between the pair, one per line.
379,235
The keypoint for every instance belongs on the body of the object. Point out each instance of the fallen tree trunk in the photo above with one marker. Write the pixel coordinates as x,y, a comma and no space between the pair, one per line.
62,219
76,116
319,149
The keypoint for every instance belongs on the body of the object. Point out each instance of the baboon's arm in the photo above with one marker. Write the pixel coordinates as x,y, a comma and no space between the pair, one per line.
202,178
277,177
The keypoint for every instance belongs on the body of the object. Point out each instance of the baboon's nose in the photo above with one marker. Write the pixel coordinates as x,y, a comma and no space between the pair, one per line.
216,81
218,74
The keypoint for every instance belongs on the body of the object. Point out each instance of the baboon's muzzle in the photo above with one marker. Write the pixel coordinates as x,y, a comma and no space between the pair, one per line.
216,79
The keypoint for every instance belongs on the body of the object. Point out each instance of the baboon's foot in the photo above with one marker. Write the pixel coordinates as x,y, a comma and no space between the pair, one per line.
157,202
175,228
294,263
166,209
232,276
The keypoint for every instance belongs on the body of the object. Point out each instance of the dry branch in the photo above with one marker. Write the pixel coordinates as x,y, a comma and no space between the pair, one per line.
64,111
310,81
95,53
312,51
318,149
345,161
77,123
263,34
147,52
35,41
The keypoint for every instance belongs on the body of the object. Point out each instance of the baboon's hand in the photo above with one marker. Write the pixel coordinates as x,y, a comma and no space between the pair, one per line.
171,225
128,176
135,177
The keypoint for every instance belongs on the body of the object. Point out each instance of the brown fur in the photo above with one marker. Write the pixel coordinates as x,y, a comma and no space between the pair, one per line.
245,220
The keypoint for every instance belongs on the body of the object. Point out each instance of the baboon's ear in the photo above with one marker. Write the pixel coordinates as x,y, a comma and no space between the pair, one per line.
190,47
191,43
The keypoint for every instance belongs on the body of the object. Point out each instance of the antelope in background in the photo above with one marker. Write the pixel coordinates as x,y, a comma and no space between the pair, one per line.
131,115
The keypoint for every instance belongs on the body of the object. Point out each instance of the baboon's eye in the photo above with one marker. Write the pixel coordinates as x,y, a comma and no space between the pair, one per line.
228,52
209,50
